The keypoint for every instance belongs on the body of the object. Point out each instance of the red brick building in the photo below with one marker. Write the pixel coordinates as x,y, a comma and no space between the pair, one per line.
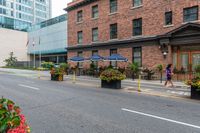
149,32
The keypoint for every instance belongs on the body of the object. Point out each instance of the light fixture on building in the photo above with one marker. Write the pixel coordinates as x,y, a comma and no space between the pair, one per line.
164,44
165,54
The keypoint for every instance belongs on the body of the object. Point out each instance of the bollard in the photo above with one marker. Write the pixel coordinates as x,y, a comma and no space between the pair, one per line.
139,84
74,77
39,73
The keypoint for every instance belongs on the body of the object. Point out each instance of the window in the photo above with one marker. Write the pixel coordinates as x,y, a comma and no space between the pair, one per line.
80,64
137,55
190,14
95,12
113,31
137,27
113,63
95,34
79,16
113,6
137,3
80,37
168,18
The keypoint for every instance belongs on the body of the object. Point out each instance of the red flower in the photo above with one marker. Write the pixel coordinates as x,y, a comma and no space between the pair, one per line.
10,107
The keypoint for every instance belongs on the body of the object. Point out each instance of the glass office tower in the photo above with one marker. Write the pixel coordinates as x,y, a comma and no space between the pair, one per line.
20,14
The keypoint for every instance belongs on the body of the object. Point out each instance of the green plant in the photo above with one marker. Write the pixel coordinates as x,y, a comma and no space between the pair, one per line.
175,70
112,75
93,68
11,61
57,71
64,66
160,70
11,119
194,82
47,65
134,67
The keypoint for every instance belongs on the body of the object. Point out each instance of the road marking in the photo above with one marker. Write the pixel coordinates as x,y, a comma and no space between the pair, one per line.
161,118
34,88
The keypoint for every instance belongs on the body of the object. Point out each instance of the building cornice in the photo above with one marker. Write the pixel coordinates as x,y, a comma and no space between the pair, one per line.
133,42
79,4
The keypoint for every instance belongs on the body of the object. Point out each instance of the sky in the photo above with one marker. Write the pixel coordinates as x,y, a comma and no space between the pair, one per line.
58,6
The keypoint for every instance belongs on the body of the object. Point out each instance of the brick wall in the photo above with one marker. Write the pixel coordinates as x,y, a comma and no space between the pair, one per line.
152,12
152,56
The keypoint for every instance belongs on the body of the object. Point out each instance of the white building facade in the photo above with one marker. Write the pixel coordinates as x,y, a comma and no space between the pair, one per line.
13,41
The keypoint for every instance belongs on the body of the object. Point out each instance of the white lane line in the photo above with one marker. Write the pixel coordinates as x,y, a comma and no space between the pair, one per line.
26,86
161,118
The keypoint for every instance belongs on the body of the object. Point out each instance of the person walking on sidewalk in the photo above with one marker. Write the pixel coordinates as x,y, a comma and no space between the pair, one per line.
169,75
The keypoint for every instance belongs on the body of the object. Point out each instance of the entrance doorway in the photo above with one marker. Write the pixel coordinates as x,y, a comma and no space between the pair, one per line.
186,58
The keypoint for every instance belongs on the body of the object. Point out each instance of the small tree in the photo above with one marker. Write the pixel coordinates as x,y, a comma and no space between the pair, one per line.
160,70
134,67
11,61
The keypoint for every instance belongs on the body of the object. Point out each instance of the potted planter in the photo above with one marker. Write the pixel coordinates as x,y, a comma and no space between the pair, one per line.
195,92
57,74
113,84
111,78
57,77
195,87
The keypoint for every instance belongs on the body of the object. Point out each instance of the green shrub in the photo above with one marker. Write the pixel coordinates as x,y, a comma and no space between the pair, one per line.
11,61
134,67
112,75
47,65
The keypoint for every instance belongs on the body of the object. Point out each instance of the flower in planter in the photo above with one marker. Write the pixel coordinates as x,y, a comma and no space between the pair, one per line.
57,71
194,82
111,75
11,119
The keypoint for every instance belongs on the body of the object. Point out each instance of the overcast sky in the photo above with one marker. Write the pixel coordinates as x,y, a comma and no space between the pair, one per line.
58,6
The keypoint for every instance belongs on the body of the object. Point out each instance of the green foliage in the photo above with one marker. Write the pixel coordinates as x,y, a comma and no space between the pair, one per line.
64,66
11,61
10,117
112,75
92,69
194,82
134,67
160,67
175,70
110,67
197,69
57,71
47,65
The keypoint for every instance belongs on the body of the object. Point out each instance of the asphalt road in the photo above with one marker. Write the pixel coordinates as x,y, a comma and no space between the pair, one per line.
61,107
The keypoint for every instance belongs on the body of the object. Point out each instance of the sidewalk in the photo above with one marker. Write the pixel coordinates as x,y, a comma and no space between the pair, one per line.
151,87
147,87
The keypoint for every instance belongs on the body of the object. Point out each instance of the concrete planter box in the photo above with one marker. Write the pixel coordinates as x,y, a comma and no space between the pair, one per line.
195,93
57,77
116,84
